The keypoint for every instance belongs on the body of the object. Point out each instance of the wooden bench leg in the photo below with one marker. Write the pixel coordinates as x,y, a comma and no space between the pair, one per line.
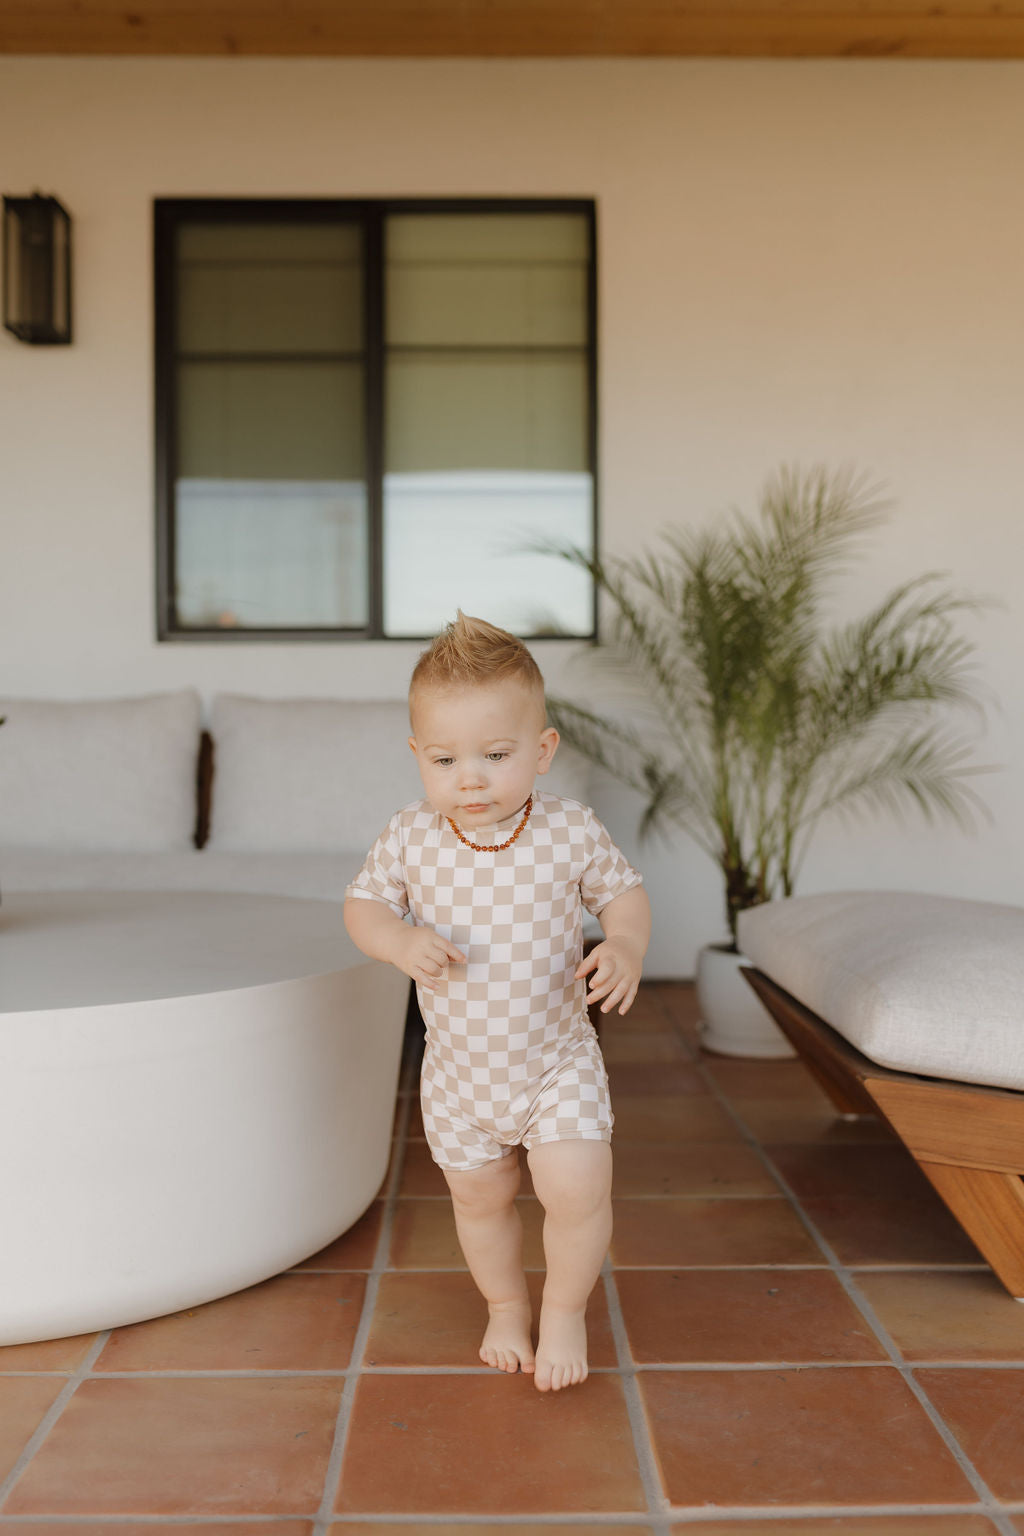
990,1208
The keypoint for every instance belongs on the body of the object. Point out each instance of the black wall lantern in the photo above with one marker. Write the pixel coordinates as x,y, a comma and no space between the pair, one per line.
37,270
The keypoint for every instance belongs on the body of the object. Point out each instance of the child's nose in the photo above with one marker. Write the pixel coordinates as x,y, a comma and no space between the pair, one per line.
472,776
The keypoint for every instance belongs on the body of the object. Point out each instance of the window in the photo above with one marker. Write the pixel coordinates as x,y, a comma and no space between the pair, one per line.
368,412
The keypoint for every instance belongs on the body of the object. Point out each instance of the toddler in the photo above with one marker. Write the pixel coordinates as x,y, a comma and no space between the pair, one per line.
494,873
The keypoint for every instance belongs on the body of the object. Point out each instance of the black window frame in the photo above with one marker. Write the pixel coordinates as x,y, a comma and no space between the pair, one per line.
168,214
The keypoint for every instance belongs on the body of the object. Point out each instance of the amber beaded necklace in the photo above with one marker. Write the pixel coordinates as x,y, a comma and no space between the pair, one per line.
493,847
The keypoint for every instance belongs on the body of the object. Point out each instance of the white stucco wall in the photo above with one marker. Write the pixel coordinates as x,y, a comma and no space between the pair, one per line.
799,260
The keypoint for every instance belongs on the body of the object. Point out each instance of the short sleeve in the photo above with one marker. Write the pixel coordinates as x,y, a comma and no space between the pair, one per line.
382,877
607,872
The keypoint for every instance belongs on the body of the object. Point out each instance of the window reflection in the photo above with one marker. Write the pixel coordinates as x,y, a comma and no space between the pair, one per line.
271,553
462,538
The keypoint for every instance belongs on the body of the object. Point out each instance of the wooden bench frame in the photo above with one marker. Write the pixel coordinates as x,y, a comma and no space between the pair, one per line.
967,1139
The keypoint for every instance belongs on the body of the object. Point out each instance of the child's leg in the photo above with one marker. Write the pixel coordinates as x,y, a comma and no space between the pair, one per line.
491,1235
573,1180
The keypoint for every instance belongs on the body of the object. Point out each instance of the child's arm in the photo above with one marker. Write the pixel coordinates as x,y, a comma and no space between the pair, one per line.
383,935
626,921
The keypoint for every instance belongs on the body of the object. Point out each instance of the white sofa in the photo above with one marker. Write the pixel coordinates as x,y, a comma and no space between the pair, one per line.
103,793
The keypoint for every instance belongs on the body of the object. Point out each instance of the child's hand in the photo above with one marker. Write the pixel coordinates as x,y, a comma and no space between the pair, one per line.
424,955
617,965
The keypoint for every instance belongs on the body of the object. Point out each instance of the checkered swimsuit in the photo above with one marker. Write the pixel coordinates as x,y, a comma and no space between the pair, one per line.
511,1055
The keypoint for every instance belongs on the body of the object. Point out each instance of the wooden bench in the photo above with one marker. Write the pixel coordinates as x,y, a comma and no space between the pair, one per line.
967,1137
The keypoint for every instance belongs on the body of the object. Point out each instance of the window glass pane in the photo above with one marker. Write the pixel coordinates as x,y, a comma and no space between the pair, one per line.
482,411
271,503
459,541
503,279
271,553
492,236
300,421
487,420
271,520
269,288
500,305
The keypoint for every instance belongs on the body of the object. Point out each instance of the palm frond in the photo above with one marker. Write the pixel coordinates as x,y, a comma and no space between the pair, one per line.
925,772
757,719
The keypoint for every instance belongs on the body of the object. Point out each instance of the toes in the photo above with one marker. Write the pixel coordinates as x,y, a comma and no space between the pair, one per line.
556,1377
503,1360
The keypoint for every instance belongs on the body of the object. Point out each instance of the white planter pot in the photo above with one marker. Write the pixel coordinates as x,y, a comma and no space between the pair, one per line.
733,1019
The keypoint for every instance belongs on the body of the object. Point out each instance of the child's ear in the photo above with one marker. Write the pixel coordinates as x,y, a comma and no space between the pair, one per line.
549,740
412,743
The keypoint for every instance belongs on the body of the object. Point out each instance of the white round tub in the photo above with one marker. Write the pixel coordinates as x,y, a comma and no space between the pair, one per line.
196,1092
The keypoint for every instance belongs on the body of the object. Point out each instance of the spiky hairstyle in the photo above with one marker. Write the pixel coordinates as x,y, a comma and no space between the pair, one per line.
470,653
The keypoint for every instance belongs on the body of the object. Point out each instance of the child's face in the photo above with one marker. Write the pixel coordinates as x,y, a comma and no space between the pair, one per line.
480,749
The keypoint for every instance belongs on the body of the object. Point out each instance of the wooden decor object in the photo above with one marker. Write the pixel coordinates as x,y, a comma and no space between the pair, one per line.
955,29
967,1139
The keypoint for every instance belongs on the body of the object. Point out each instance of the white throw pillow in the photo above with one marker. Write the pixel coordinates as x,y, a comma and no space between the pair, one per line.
320,774
117,774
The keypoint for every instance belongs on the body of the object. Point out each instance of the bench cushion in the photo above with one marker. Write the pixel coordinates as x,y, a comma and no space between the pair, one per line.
925,984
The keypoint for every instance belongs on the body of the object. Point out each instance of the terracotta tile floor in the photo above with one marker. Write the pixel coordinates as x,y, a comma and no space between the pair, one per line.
791,1336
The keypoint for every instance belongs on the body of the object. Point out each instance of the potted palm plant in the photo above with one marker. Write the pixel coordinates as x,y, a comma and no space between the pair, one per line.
749,719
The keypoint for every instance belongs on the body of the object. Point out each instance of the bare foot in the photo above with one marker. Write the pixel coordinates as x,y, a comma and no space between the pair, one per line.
562,1350
507,1344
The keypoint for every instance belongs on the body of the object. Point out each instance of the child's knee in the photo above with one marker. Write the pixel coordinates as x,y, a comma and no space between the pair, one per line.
572,1179
486,1190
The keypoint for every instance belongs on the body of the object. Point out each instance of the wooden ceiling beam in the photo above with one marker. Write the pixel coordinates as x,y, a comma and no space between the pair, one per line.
516,28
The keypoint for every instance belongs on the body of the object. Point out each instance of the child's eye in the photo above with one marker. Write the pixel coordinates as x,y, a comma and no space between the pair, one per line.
496,757
443,762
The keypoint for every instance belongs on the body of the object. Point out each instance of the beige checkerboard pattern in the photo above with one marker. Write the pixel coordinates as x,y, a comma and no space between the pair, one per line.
510,1056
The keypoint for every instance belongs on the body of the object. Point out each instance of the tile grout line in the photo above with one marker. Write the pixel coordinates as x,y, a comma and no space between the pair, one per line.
766,1514
418,1521
643,1446
679,1515
52,1414
847,1280
332,1477
457,1269
707,1367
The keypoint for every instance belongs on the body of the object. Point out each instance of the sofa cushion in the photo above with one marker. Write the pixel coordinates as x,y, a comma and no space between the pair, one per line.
320,774
925,984
322,876
99,773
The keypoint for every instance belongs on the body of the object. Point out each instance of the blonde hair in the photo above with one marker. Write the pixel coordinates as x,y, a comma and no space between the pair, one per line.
471,653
